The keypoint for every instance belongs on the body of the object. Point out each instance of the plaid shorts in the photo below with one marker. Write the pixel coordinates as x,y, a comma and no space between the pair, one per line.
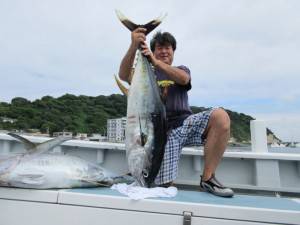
190,133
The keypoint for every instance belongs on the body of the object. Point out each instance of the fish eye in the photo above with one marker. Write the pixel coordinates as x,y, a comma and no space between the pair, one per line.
145,174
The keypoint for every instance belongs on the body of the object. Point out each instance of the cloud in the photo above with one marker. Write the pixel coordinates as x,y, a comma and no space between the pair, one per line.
243,55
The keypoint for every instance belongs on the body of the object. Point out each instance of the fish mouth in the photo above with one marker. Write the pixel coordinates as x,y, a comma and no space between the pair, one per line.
141,182
140,177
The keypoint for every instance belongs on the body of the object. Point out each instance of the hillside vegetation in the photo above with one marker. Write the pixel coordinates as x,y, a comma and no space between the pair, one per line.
85,114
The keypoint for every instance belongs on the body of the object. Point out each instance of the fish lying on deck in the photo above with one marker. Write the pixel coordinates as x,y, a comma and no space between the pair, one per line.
40,170
146,133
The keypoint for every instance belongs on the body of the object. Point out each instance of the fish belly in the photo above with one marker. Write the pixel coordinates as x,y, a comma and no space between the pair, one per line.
144,103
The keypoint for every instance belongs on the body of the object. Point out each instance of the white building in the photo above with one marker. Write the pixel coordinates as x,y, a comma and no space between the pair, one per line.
116,129
97,137
81,136
63,133
8,120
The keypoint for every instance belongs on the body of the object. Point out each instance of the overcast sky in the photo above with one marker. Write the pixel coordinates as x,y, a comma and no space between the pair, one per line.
243,55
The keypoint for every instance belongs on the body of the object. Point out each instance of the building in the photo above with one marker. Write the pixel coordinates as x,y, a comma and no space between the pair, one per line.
116,129
97,137
35,132
8,120
63,133
81,136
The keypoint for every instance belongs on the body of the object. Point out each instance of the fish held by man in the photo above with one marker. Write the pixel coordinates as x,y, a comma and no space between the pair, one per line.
40,170
146,129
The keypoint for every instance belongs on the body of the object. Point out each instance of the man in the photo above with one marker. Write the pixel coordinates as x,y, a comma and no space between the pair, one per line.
211,127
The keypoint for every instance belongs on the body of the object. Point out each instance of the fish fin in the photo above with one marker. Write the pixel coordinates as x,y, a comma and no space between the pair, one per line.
96,183
132,26
33,179
42,147
153,24
28,144
50,144
128,179
127,23
121,86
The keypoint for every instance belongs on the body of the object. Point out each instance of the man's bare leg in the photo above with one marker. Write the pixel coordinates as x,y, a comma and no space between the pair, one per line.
217,136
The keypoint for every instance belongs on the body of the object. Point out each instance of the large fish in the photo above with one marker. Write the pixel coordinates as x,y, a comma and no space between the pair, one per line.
146,132
40,170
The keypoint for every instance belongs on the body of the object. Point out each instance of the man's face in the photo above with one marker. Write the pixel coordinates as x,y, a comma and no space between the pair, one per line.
164,53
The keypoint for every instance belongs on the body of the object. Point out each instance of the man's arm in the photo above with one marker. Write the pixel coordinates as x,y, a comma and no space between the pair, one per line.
137,36
126,65
178,75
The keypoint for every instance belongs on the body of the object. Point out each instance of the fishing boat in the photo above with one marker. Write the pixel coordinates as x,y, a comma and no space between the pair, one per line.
267,187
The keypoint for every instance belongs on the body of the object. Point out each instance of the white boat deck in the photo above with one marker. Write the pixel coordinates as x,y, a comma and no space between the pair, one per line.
106,206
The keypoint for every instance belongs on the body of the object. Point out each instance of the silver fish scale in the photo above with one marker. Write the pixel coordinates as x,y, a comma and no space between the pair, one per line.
40,170
143,100
55,171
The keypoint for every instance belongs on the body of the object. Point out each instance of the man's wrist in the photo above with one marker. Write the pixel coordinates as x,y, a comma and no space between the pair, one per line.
155,62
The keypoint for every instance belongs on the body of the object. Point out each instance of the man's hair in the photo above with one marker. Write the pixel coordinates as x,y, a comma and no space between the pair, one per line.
163,39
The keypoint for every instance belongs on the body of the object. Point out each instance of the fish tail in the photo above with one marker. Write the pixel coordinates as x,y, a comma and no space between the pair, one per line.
132,26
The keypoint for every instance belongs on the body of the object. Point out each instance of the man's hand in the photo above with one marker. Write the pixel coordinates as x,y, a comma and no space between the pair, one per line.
137,37
147,52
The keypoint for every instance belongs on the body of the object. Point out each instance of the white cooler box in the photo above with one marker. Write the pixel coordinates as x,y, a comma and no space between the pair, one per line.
105,206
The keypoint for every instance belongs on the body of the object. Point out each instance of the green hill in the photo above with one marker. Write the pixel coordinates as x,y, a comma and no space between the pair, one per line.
86,114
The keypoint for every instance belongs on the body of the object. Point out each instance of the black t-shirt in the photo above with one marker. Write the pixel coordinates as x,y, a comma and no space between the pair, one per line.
176,99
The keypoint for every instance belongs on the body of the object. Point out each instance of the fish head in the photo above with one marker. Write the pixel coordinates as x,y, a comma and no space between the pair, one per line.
138,165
